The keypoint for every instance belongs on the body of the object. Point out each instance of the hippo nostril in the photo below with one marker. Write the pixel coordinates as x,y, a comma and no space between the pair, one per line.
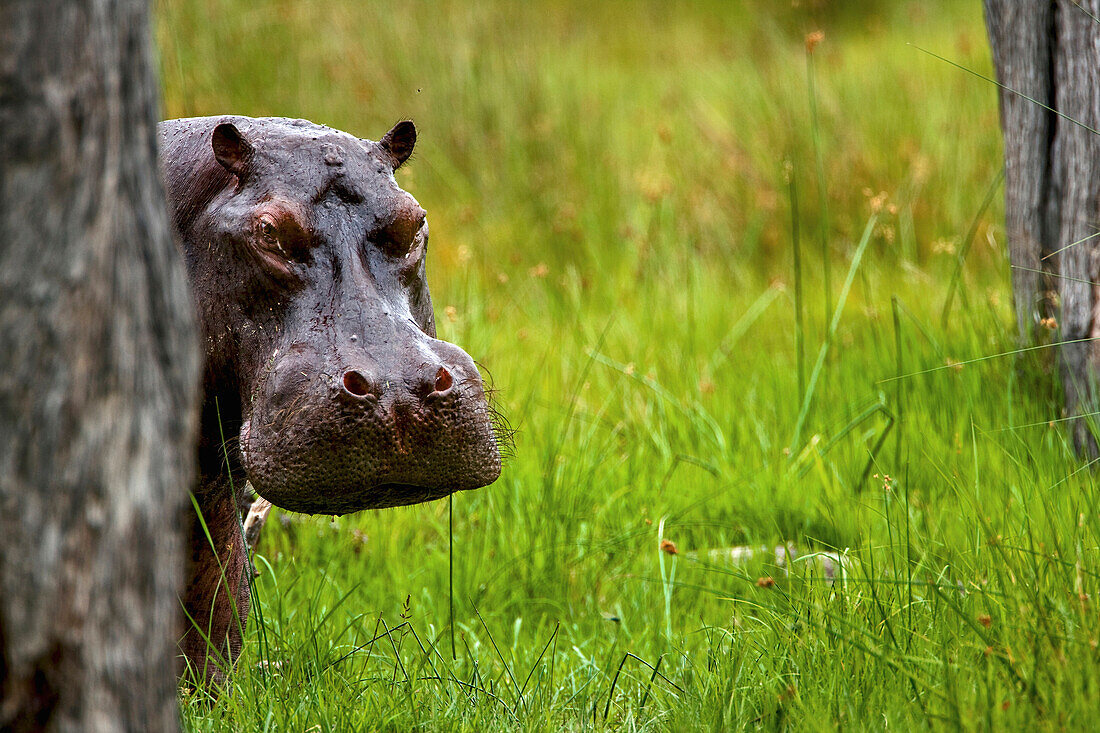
356,384
443,380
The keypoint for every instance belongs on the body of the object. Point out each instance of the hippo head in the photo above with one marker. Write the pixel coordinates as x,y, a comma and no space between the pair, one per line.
307,263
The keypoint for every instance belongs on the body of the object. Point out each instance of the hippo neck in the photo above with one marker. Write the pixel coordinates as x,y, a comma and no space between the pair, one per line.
218,441
216,593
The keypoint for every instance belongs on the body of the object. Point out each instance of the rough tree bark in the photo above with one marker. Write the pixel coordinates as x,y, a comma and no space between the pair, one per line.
1050,51
98,376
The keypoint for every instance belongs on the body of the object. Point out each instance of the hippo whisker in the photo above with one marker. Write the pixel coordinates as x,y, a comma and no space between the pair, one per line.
503,432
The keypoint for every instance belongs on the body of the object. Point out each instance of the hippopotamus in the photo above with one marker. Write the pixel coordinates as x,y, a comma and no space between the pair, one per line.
324,385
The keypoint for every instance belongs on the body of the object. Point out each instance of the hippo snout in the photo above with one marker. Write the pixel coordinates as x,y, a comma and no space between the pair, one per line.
358,434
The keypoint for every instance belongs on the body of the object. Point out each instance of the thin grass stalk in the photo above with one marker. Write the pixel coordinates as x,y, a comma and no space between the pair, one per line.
451,572
822,185
964,250
796,440
799,306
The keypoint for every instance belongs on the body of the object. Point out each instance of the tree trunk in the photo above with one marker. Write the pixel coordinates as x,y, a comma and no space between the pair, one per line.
1050,52
98,376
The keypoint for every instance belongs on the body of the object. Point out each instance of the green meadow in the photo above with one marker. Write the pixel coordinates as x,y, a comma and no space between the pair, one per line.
737,287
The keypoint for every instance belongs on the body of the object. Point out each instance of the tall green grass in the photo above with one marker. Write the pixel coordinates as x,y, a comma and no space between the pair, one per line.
612,190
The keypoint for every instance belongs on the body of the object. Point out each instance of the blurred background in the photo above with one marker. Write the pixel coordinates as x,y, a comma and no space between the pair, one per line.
580,134
693,245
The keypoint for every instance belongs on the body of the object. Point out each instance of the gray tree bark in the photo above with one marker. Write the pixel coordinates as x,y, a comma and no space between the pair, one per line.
98,376
1049,50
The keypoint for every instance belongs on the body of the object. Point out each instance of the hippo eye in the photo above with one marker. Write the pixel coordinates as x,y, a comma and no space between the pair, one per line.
279,232
268,231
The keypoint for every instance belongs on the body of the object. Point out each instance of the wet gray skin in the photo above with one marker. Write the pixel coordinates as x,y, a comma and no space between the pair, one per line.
307,264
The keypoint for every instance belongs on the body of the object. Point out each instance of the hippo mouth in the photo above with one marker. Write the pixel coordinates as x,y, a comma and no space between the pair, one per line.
382,495
388,495
328,466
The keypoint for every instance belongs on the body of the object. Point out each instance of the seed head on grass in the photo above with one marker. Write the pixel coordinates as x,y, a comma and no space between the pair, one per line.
877,201
943,246
669,547
813,39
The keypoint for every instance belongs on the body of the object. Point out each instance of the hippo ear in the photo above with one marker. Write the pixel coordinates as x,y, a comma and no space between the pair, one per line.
230,148
399,142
